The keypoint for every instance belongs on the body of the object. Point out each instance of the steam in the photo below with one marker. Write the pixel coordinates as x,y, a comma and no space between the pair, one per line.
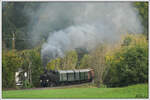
82,25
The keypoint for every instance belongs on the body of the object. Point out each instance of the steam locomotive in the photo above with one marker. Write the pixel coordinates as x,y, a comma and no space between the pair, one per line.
62,77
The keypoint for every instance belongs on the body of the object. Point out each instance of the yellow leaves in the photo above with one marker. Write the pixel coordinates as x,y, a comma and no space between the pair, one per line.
54,64
70,60
139,41
108,58
117,60
12,60
111,59
57,60
85,61
121,58
51,65
134,39
128,42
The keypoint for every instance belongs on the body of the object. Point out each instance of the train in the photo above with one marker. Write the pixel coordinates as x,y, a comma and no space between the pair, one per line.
63,77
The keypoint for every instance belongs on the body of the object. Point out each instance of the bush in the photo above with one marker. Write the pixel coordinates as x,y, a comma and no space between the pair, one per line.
26,84
129,64
10,64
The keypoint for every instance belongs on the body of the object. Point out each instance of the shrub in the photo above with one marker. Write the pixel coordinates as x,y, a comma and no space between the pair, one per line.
129,64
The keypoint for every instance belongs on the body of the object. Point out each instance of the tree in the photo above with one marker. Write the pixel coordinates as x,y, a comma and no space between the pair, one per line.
32,65
10,64
143,14
85,61
67,62
70,60
36,67
128,64
98,63
15,20
54,64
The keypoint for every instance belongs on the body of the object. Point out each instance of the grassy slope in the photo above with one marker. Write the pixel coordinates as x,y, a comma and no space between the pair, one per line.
125,92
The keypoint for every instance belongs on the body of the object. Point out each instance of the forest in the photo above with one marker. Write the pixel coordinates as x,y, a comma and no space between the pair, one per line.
121,64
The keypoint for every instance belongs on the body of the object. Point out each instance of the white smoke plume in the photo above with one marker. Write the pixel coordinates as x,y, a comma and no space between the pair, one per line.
83,25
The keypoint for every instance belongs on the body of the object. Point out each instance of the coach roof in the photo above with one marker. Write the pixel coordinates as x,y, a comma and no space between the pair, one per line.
84,70
62,71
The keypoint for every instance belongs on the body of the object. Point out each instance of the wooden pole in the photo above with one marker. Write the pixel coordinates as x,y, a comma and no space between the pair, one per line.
13,41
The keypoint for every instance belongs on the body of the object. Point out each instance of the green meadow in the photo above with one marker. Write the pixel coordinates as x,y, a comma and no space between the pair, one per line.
134,91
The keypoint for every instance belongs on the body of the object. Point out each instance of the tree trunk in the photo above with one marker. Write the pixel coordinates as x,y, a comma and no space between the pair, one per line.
30,73
98,84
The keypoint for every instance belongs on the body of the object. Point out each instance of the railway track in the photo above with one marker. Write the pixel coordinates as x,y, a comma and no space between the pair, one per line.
61,87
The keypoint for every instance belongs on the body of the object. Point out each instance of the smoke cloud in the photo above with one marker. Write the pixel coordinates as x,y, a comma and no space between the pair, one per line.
82,25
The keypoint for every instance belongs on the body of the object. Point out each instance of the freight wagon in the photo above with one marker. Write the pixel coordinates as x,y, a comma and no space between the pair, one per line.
61,77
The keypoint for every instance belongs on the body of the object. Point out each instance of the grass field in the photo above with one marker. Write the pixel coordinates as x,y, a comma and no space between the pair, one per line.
134,91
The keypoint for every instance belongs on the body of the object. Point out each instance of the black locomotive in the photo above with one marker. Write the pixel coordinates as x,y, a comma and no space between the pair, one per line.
61,77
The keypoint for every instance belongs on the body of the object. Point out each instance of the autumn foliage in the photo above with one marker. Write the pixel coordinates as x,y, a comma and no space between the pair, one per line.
10,64
129,63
